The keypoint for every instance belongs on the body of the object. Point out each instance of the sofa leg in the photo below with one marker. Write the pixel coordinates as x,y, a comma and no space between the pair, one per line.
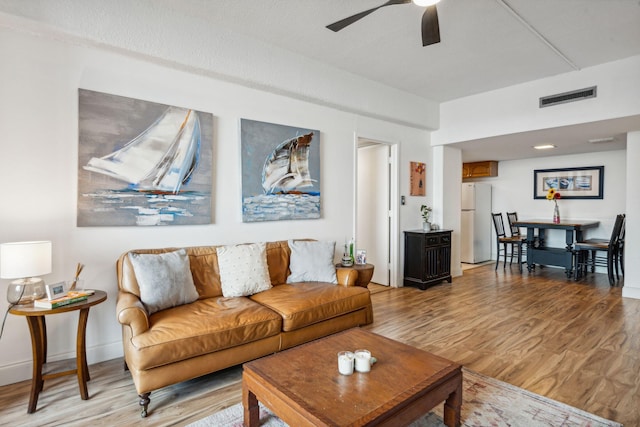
144,402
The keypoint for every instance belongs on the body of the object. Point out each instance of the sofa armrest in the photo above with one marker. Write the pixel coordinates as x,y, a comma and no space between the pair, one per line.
131,312
346,276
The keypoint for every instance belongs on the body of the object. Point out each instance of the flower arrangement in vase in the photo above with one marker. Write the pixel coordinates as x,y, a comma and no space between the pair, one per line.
425,211
554,195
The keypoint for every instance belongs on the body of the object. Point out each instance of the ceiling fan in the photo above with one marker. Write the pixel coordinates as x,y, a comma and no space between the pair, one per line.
430,26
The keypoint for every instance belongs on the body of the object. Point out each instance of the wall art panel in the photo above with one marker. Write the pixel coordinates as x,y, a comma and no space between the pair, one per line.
142,163
280,172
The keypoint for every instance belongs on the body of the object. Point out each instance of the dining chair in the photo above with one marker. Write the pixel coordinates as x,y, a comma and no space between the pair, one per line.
588,253
512,217
504,242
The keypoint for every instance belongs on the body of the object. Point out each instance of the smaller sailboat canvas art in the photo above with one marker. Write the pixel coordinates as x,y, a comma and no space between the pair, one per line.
280,172
142,163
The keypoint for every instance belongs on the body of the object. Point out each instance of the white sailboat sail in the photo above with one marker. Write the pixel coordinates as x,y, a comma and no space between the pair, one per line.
161,158
286,169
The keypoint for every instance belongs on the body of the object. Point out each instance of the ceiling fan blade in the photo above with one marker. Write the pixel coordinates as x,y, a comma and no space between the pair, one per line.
337,26
430,26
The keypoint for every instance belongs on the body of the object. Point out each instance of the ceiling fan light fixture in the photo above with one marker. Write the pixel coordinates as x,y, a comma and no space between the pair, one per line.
425,3
429,26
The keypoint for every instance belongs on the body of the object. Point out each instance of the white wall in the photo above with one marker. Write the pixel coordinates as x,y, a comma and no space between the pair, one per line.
632,240
515,109
446,197
39,81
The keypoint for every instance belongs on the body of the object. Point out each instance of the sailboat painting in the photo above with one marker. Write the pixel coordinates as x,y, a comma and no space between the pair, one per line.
280,172
142,163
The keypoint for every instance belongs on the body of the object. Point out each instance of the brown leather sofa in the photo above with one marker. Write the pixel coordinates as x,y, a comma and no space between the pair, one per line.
215,332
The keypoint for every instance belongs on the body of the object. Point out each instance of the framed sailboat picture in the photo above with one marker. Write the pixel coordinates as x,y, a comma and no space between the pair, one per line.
280,172
142,163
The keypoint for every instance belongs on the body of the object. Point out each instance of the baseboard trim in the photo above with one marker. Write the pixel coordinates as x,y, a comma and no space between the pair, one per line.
630,292
22,371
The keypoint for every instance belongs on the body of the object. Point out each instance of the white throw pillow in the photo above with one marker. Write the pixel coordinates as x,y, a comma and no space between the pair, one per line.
312,262
243,269
164,279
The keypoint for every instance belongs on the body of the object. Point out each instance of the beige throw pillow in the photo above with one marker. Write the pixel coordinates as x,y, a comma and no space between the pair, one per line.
164,279
243,269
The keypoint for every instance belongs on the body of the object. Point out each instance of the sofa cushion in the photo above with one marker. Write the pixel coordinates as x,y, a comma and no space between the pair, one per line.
164,279
243,269
303,304
205,272
312,262
278,254
202,327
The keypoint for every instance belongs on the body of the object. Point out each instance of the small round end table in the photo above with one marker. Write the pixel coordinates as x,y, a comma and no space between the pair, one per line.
38,328
365,273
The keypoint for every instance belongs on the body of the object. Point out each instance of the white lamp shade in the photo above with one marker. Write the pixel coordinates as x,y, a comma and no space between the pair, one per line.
25,259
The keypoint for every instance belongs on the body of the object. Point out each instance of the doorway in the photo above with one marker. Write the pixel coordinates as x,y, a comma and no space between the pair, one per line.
376,213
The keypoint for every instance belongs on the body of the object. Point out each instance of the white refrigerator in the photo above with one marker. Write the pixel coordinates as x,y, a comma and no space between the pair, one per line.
475,233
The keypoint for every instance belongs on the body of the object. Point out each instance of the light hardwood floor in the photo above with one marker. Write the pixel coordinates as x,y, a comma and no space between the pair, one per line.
574,342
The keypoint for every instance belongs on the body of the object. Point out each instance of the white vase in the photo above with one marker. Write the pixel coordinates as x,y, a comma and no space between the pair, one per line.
426,226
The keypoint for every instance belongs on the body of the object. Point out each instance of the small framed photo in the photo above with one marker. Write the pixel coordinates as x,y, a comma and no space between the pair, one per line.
361,256
417,179
56,290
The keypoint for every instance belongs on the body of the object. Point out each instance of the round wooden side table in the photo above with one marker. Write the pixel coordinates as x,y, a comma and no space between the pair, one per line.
38,328
365,273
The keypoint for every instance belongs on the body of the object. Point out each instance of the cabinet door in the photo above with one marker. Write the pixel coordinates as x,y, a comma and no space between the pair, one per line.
480,169
432,264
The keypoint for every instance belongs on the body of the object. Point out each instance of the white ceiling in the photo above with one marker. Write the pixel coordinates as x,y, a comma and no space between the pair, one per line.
486,45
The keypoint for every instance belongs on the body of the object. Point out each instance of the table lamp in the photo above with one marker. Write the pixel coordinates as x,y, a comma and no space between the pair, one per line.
24,261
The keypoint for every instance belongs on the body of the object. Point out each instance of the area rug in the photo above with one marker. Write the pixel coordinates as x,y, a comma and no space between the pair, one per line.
486,403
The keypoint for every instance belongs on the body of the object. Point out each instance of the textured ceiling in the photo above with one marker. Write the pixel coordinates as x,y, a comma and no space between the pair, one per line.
484,44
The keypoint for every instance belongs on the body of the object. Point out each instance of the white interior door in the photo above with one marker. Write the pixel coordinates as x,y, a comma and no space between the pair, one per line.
373,225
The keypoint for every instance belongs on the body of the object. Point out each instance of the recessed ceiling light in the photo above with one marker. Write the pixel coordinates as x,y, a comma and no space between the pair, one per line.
544,146
599,140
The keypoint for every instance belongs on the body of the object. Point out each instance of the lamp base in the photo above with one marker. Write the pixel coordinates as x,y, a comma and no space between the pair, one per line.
25,291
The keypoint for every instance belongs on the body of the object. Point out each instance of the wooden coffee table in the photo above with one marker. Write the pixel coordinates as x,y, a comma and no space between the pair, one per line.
302,385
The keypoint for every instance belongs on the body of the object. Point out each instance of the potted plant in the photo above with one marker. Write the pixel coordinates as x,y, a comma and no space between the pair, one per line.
425,211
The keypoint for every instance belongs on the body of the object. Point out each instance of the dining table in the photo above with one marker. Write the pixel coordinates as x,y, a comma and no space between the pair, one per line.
537,250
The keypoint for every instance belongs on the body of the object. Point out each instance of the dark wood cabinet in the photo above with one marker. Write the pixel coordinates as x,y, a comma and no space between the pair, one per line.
427,257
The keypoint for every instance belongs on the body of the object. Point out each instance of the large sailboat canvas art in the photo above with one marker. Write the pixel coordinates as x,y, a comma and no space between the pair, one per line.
142,163
280,172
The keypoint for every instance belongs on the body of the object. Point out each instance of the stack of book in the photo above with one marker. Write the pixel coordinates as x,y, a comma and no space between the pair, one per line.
70,298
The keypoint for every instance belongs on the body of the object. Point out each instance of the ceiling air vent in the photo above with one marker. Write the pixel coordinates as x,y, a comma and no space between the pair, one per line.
574,95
